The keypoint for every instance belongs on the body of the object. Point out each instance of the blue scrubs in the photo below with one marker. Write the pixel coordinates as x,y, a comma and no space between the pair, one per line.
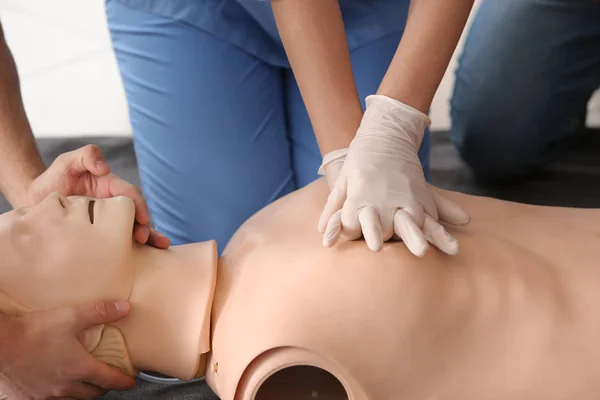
220,129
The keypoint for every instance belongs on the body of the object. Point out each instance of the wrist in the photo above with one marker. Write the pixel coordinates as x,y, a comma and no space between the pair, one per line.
332,157
397,109
335,129
17,190
393,118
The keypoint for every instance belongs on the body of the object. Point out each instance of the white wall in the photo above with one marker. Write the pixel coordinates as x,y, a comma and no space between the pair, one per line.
70,82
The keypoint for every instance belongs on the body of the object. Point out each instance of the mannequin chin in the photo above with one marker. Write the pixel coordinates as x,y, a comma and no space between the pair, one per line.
514,315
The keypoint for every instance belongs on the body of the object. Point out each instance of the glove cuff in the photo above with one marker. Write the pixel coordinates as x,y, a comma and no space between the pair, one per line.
384,103
331,157
383,108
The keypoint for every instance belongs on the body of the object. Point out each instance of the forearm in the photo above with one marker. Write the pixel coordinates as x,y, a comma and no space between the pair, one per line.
430,38
314,38
20,161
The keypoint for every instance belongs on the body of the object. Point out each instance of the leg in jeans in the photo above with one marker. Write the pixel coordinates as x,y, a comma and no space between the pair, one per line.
369,64
208,122
526,74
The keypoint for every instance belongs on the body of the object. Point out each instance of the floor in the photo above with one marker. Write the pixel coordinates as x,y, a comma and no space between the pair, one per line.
70,82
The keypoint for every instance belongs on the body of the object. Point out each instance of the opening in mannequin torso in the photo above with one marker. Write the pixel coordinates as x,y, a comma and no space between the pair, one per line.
512,316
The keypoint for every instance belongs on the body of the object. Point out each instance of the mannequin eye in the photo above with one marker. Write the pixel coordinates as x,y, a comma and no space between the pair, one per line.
91,210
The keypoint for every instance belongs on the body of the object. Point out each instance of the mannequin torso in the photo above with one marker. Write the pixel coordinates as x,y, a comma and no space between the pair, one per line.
512,316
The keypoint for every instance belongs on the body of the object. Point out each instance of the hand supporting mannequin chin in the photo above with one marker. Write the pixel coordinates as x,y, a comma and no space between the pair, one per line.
511,316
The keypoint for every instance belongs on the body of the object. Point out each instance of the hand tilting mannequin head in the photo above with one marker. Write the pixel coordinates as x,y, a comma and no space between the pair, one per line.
508,317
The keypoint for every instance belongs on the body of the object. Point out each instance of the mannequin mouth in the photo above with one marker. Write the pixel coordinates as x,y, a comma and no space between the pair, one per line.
91,205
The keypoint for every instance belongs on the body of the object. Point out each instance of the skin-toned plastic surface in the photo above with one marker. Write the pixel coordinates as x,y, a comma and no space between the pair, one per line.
76,250
513,316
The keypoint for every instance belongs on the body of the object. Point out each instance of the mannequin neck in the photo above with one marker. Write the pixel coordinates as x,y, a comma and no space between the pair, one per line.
147,258
171,301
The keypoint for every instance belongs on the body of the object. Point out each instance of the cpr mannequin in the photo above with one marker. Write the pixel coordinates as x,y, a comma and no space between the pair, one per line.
514,315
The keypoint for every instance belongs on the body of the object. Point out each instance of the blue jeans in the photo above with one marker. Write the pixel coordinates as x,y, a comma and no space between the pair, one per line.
525,76
218,133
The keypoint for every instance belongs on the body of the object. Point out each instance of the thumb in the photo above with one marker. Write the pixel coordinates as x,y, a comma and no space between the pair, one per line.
450,212
332,172
84,316
332,166
86,159
335,201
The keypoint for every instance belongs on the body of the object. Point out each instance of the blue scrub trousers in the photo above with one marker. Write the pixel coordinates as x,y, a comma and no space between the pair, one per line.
527,71
218,132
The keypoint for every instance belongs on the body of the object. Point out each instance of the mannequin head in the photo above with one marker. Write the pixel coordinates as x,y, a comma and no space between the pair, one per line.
41,245
75,250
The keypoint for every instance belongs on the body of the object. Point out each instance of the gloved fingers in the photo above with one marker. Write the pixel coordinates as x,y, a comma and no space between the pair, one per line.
449,211
333,229
335,202
351,229
417,213
387,224
371,227
407,230
437,235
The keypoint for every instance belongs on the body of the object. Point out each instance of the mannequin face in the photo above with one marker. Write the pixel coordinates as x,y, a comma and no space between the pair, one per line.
71,244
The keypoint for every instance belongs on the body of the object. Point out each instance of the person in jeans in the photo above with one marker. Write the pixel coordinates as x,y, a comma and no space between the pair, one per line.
525,76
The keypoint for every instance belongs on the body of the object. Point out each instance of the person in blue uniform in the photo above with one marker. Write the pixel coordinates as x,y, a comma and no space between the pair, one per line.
234,103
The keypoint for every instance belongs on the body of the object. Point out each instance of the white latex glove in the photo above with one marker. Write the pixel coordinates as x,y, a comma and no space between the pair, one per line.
332,166
381,191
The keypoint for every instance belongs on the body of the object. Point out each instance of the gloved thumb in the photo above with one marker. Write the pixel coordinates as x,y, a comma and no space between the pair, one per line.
332,165
335,202
448,211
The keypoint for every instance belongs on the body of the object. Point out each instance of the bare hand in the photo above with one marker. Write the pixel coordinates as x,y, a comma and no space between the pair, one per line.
84,172
41,356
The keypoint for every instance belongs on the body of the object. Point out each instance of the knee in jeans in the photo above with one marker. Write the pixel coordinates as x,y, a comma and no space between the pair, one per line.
495,152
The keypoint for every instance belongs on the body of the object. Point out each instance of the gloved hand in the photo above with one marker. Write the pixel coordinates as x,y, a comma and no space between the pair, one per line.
381,190
332,166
